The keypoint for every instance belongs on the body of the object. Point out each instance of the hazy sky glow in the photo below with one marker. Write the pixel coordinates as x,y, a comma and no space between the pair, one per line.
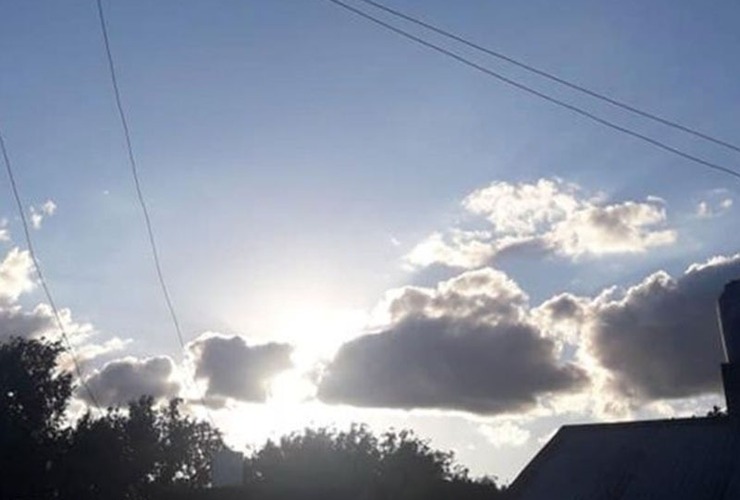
354,228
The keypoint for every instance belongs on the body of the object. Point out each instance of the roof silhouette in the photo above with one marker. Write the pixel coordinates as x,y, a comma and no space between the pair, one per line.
691,459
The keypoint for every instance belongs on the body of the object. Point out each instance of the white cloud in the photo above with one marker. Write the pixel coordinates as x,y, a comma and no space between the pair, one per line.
548,216
524,209
627,227
506,434
4,232
16,271
90,351
463,249
713,207
38,214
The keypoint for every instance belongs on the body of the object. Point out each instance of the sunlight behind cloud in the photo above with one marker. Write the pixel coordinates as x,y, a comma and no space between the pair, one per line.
505,434
317,331
290,388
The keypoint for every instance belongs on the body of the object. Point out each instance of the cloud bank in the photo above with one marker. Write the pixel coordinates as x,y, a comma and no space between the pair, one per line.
547,217
475,344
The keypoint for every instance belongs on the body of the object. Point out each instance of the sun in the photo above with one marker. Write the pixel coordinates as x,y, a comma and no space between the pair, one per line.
290,388
315,333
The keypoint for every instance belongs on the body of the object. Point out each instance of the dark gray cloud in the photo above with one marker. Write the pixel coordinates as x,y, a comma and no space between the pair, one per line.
469,344
448,363
234,369
563,307
124,380
660,338
15,322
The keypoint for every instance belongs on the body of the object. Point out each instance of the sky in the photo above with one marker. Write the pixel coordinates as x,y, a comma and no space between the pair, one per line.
356,228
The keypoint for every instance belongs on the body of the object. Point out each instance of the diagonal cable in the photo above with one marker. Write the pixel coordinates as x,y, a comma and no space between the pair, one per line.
537,93
550,76
139,192
135,175
39,273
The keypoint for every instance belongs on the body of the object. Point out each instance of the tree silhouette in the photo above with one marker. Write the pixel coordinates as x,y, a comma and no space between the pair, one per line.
95,455
126,453
140,452
329,464
33,397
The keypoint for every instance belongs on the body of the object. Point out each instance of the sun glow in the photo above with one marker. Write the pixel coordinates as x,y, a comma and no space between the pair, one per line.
315,331
291,388
318,332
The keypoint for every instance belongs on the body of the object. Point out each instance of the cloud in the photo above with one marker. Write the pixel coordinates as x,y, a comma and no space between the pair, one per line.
4,233
458,248
15,322
234,369
124,380
524,209
466,345
89,351
16,275
717,204
505,434
16,278
41,322
38,214
658,339
548,216
474,343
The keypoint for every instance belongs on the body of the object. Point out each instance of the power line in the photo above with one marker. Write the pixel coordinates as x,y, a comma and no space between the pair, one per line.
40,274
537,93
555,78
135,175
137,184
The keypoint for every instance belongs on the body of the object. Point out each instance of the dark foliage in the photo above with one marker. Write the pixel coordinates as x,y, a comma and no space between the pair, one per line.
716,412
33,397
146,451
129,453
329,464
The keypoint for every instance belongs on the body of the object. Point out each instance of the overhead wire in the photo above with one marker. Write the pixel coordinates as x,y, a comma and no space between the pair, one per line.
555,78
135,174
138,185
525,88
42,279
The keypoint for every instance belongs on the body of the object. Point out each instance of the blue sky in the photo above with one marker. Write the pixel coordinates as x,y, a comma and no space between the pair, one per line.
294,156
